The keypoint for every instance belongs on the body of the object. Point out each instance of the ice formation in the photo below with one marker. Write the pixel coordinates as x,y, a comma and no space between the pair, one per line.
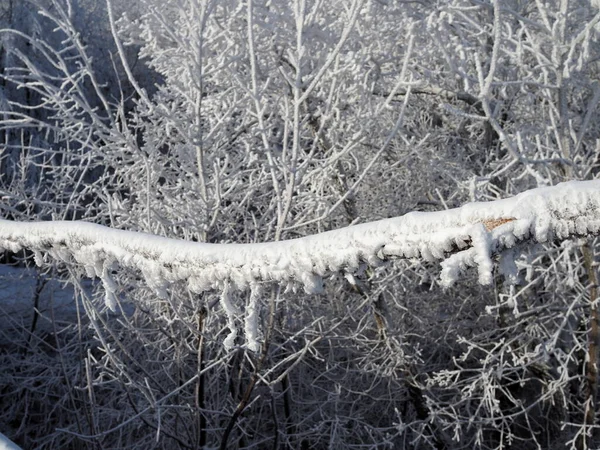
460,238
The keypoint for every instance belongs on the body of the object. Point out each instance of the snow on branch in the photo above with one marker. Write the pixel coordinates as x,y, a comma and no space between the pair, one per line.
464,237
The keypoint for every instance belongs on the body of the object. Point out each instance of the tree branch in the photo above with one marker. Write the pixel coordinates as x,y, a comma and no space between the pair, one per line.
463,237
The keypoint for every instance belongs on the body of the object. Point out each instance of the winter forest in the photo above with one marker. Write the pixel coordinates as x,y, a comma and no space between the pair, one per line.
299,224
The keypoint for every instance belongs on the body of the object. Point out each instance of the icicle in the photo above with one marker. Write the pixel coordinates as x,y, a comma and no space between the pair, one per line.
482,243
110,287
512,301
231,312
251,321
38,258
110,300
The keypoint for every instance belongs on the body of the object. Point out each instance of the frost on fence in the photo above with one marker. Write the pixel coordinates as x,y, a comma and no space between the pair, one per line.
460,238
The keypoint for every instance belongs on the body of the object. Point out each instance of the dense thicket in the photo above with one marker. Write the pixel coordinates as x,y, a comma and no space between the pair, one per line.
227,121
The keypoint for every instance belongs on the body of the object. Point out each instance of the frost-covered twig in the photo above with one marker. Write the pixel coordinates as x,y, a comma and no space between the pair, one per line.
463,237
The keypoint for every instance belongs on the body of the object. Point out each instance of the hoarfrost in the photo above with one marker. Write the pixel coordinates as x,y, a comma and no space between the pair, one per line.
231,312
460,238
251,320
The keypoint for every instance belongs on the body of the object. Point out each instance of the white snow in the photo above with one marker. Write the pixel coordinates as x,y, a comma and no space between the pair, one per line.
552,212
463,237
251,321
231,312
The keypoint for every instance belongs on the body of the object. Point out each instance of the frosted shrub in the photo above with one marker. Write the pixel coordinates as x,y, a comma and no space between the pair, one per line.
225,129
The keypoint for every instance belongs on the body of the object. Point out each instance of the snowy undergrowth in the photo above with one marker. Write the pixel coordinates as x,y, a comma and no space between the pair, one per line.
460,238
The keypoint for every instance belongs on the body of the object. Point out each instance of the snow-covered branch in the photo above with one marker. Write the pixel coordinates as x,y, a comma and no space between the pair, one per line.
463,237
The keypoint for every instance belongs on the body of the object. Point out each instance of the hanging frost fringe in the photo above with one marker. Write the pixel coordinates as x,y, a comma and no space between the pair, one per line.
230,311
453,266
110,289
251,320
38,258
482,245
455,237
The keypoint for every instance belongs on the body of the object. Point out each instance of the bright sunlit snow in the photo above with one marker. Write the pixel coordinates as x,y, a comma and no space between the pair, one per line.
462,237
